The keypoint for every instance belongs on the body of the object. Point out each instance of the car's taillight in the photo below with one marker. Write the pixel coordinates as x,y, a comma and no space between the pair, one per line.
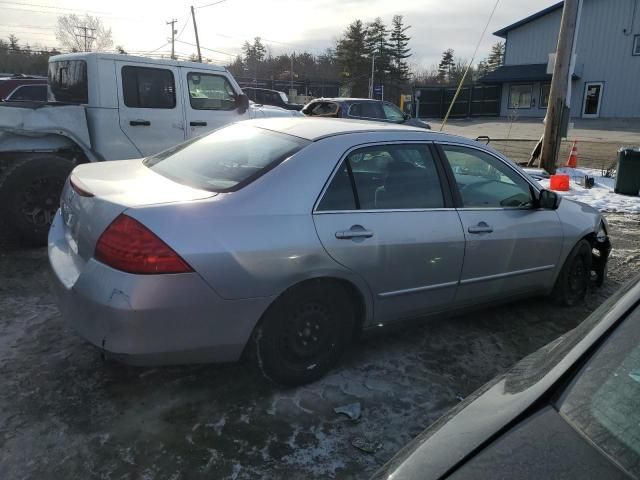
129,246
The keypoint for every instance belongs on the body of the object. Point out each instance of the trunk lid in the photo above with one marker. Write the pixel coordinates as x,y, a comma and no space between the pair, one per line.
95,194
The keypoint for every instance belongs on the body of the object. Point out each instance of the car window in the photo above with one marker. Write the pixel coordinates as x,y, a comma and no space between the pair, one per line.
602,399
68,81
226,159
366,110
385,177
484,181
322,109
210,92
144,87
392,113
36,93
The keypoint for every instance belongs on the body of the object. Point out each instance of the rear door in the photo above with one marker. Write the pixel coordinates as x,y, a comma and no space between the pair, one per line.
386,216
210,101
511,247
151,114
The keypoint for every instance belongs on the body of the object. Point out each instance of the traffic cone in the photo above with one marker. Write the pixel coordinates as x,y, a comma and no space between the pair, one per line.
572,161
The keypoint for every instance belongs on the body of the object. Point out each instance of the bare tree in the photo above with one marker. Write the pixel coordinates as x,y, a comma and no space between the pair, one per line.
83,33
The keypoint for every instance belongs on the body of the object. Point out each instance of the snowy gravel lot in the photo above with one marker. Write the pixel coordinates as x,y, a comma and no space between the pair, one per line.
64,413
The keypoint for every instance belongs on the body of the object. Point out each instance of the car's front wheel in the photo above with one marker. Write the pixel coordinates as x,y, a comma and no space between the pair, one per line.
573,282
305,332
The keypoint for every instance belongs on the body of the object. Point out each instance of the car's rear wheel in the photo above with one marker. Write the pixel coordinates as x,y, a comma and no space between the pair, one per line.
573,282
305,332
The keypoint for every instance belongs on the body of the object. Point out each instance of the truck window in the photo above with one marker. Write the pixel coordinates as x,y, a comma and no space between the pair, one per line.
210,92
68,81
144,87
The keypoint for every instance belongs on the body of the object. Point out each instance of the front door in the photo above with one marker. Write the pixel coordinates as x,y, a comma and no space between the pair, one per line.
511,247
151,114
210,101
384,216
592,99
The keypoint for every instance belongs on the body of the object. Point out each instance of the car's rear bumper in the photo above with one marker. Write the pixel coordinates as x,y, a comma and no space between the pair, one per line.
149,319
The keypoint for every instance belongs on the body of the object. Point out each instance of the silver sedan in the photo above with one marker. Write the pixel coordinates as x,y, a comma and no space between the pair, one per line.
298,234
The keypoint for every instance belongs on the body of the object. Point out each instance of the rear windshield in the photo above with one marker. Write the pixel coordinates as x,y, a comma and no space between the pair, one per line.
68,81
227,159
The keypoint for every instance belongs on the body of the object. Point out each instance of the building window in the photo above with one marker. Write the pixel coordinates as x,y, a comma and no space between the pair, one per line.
520,96
545,89
636,45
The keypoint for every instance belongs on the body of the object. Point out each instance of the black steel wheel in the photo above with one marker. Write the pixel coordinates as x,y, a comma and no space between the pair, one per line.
305,332
574,279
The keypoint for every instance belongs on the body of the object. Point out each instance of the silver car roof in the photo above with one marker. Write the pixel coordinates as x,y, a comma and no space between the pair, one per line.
314,129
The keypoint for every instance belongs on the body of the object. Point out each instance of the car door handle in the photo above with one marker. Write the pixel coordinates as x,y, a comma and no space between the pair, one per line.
482,227
198,123
349,234
140,123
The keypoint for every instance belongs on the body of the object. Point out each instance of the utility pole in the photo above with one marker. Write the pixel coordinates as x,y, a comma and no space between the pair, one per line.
85,35
195,28
173,38
559,86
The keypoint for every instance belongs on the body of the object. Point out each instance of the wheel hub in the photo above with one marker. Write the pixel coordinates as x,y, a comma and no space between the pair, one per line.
309,331
39,200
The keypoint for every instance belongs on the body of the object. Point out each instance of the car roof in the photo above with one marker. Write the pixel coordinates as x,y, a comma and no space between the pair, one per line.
313,129
137,59
346,100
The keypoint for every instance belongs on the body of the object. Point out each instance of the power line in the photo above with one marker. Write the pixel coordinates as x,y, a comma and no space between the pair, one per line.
208,49
210,4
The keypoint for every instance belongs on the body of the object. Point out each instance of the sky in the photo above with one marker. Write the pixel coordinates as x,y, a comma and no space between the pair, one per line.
284,25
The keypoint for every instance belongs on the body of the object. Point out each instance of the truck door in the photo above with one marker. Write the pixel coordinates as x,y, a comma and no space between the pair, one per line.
210,101
151,113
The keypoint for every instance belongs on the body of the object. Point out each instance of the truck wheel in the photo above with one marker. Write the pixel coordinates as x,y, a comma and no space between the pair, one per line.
30,196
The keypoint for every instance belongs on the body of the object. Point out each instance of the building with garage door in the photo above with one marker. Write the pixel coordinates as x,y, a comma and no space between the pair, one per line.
606,77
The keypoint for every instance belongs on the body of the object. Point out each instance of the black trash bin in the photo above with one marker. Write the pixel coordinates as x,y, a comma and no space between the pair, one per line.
628,171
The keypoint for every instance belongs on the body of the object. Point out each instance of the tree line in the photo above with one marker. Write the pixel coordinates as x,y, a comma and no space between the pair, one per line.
364,50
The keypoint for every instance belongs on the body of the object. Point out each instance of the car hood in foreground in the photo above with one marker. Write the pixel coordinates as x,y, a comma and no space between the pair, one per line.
455,437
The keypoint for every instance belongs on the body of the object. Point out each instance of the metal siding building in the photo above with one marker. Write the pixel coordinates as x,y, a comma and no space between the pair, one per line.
606,81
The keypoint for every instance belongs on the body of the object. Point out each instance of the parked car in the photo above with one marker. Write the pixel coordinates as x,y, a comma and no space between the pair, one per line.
361,109
266,96
105,107
570,410
28,93
300,233
16,86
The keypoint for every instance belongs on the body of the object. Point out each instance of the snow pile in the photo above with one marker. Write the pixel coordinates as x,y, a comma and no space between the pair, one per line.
601,196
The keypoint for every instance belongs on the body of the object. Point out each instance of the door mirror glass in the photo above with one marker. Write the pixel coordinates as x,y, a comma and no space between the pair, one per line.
242,103
549,200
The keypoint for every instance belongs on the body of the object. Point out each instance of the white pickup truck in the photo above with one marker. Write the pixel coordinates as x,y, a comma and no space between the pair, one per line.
105,107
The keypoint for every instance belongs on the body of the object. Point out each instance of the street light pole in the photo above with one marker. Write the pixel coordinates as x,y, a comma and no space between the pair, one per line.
373,63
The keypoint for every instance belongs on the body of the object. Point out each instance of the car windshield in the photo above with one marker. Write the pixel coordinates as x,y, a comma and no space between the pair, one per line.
602,400
226,159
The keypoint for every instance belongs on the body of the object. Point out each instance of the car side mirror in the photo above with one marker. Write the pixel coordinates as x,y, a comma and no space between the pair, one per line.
406,116
549,200
242,103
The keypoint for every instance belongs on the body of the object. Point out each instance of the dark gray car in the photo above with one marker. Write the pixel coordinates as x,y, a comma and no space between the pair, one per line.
570,410
361,109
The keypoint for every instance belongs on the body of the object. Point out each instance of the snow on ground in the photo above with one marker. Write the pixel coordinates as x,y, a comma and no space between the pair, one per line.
601,196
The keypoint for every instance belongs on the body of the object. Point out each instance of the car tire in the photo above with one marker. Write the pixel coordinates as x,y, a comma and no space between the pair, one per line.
30,195
305,332
574,279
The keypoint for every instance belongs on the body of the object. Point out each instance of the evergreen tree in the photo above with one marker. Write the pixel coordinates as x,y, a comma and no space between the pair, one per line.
377,43
447,63
496,57
351,53
400,50
254,54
